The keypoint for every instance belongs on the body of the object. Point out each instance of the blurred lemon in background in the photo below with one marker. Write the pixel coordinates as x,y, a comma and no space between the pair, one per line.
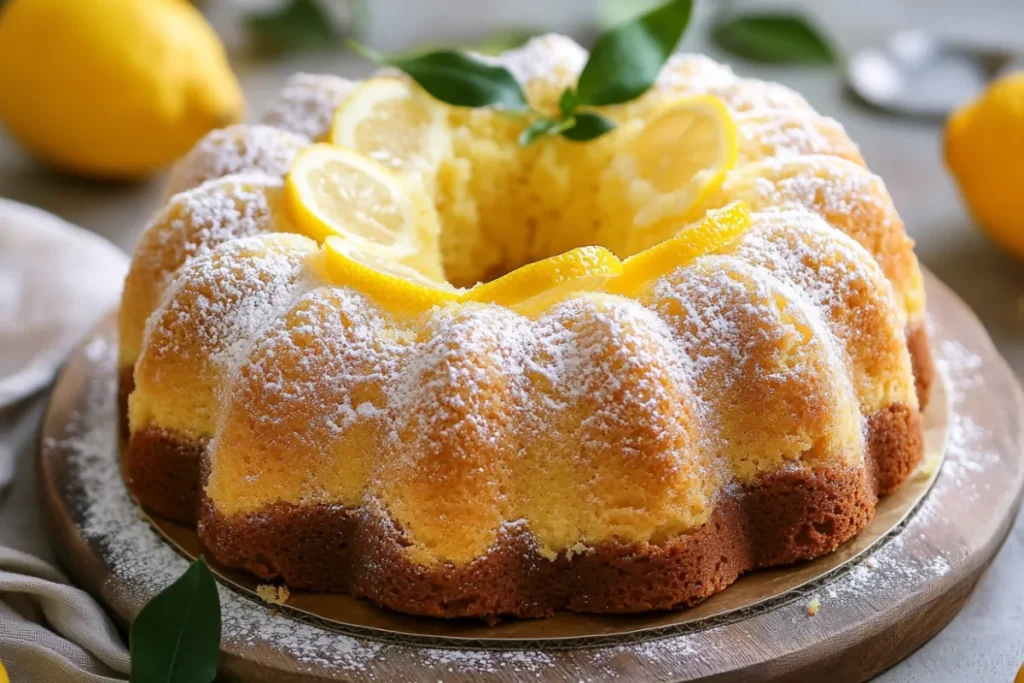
985,151
112,88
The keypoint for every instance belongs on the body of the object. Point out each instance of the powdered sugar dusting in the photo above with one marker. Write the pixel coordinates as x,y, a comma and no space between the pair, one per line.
306,104
542,57
197,221
222,300
789,134
697,73
142,563
242,148
834,187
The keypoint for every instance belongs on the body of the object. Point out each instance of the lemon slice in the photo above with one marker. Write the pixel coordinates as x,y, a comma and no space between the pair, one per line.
717,229
335,191
394,122
533,287
679,157
394,285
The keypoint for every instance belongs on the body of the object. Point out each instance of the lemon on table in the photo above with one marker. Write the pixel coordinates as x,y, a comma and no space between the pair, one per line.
536,286
984,149
336,191
717,229
112,88
3,674
678,158
374,272
393,121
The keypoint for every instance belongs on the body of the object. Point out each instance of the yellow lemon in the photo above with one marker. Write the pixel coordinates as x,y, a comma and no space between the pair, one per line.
336,191
536,286
394,285
396,123
716,230
3,674
678,158
984,148
112,88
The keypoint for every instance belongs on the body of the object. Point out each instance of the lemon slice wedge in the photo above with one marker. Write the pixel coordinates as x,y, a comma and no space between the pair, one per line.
396,286
536,286
392,121
678,158
335,191
717,229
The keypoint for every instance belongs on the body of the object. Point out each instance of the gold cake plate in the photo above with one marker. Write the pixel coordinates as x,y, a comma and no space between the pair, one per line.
908,572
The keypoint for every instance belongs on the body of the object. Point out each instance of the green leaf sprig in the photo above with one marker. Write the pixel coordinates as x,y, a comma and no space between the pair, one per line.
773,39
624,63
176,637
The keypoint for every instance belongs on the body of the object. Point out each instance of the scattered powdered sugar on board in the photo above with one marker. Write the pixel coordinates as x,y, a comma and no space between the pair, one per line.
960,370
143,563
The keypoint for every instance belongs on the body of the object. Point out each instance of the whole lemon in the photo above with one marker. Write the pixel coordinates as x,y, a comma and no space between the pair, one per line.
112,88
985,151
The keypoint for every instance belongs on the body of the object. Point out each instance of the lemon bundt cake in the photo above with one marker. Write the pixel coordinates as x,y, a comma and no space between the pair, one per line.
523,387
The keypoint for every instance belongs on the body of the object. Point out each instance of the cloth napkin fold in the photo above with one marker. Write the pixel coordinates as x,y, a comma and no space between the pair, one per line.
56,281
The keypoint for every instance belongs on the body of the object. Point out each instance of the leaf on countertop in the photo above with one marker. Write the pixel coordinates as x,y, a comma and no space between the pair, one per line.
299,24
774,38
176,636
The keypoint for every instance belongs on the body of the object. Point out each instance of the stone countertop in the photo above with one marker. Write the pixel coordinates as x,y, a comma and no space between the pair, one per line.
985,642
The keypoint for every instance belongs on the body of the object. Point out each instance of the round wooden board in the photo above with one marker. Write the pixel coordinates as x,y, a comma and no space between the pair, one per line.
874,610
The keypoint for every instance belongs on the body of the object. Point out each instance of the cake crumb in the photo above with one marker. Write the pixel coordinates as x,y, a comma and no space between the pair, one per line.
871,563
813,606
273,594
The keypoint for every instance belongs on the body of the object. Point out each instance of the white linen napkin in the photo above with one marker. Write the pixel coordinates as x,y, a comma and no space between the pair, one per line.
56,280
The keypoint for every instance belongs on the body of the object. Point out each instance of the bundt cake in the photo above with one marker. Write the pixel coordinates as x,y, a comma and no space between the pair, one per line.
610,449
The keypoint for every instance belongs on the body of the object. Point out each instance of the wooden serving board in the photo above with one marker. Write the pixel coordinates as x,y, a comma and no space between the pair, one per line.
881,596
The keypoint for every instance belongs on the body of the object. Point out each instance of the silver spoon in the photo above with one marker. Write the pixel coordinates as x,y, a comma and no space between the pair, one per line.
918,74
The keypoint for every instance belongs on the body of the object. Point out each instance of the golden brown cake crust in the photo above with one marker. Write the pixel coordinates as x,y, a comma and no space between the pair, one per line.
921,359
163,470
125,387
789,516
895,446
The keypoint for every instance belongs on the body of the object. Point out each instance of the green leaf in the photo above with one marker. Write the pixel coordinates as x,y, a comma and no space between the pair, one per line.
301,24
457,78
568,102
625,61
589,125
545,127
176,637
540,128
774,38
